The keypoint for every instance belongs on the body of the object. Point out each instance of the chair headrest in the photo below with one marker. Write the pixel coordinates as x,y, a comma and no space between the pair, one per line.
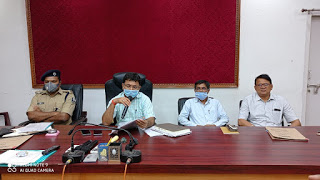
118,78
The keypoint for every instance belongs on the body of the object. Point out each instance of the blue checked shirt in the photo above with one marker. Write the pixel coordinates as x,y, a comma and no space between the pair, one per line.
211,112
140,108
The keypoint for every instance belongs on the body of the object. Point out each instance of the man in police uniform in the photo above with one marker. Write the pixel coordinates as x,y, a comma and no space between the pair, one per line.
52,104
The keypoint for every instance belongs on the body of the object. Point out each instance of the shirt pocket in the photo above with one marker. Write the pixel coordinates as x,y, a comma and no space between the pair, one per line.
58,107
42,106
138,114
277,114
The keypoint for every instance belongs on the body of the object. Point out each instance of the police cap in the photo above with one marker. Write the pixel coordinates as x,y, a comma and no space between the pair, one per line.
52,72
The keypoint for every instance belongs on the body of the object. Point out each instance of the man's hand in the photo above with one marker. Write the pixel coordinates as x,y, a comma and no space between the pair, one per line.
122,100
142,123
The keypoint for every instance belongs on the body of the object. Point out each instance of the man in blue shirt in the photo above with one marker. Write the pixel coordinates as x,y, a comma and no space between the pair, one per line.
201,110
139,108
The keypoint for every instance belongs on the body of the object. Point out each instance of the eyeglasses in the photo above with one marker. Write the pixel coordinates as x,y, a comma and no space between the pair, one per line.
128,86
264,85
201,89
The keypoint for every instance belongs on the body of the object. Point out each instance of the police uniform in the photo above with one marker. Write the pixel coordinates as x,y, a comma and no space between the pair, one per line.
62,101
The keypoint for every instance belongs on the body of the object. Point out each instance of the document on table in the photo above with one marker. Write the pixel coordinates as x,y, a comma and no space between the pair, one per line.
125,125
13,157
152,133
13,142
30,129
35,127
285,134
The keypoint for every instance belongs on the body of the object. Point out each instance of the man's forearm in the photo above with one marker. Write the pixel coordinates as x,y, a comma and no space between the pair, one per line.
295,123
107,117
151,121
243,122
39,116
59,117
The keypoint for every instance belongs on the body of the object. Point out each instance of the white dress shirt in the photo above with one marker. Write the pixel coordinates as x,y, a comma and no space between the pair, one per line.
260,113
198,113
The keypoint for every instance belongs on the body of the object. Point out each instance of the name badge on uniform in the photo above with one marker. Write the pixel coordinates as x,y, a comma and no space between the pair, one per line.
277,110
39,103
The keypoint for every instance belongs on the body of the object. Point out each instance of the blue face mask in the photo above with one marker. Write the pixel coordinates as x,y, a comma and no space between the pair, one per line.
201,95
132,93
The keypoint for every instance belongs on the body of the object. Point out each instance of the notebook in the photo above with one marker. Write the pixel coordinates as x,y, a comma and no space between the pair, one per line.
171,130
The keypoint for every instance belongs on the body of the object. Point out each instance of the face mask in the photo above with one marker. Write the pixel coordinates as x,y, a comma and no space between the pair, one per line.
201,95
51,87
132,93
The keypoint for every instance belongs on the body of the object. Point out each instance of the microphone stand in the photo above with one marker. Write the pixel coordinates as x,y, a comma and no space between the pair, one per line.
129,153
76,156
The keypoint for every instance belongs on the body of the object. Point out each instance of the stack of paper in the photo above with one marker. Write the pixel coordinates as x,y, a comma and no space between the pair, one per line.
285,134
125,125
23,157
11,157
35,127
171,130
30,129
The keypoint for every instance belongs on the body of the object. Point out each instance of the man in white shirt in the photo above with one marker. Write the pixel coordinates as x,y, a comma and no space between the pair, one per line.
201,110
265,109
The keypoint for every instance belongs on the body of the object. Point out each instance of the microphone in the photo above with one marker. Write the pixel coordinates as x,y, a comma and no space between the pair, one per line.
126,109
77,156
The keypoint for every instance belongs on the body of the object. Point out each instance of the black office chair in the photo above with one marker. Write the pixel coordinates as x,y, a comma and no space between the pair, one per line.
78,114
240,103
181,103
114,86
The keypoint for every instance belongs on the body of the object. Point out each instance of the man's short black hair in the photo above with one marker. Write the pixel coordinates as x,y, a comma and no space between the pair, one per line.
263,76
132,77
202,82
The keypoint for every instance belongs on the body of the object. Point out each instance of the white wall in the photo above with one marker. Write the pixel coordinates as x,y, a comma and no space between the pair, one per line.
272,40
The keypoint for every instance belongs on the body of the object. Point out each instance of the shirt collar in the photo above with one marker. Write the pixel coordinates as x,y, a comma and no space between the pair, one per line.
208,101
257,97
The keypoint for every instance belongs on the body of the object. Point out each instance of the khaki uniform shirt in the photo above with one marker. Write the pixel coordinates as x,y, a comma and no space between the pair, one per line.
58,102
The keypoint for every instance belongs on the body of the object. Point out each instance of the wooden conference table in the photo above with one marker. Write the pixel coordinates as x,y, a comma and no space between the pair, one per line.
205,154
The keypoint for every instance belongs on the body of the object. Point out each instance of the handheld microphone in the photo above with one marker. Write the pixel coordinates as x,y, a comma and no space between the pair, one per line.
126,109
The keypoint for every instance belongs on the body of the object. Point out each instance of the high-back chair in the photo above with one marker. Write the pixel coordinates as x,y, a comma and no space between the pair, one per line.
114,86
78,113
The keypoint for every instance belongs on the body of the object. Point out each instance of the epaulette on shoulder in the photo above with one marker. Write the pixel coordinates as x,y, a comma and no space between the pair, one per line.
40,92
67,91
